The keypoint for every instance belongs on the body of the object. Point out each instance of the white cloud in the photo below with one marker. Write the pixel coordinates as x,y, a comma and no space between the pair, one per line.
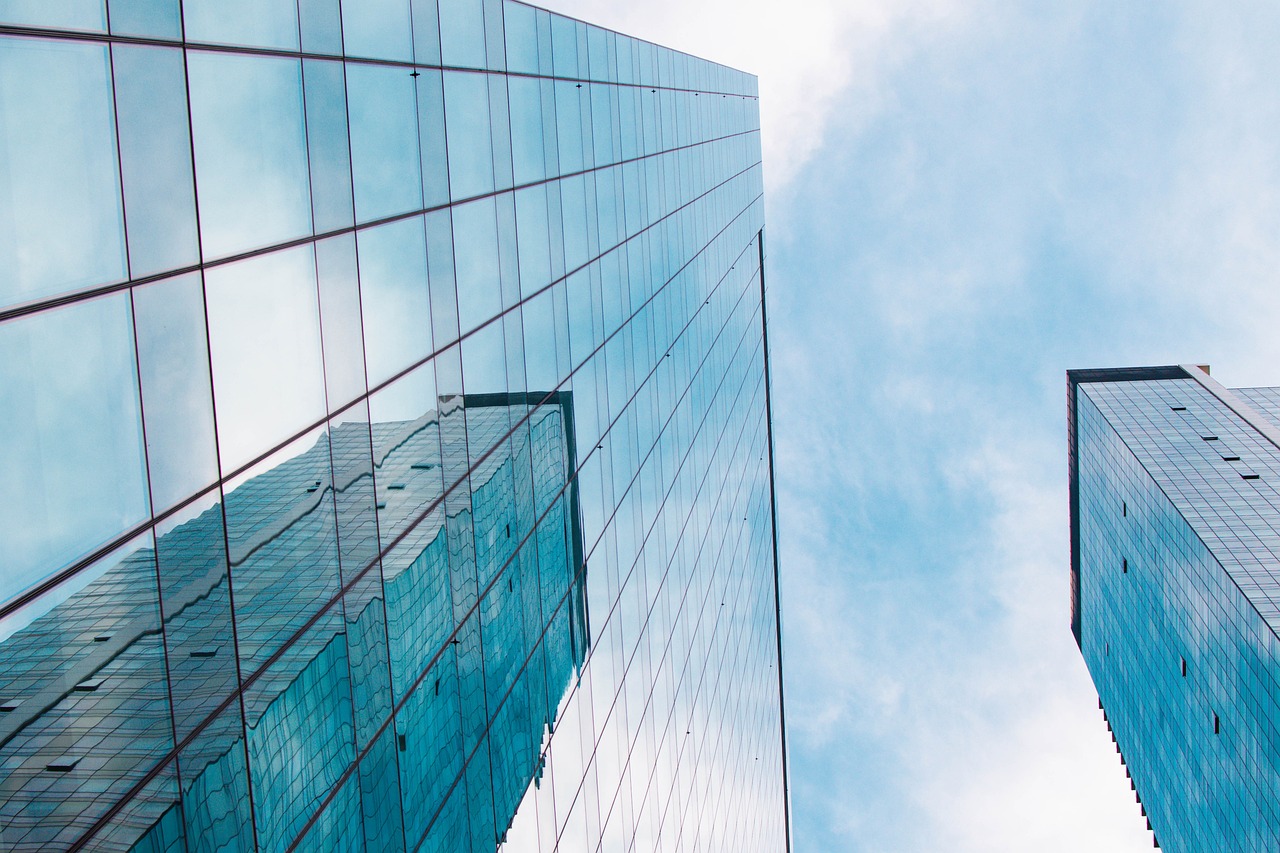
810,55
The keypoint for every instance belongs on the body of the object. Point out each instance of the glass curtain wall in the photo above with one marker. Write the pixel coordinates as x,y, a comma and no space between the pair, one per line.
384,436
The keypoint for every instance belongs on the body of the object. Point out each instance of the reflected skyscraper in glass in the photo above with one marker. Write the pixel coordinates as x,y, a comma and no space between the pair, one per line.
1175,532
385,452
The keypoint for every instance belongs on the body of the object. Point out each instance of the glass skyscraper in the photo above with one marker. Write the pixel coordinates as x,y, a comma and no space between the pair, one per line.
385,451
1175,537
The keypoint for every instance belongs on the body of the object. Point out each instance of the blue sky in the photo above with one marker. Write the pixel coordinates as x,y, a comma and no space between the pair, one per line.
965,200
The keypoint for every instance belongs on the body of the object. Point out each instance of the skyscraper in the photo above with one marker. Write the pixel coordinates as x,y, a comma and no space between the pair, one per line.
385,437
1175,534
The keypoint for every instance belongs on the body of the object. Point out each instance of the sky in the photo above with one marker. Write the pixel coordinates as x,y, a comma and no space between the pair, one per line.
964,200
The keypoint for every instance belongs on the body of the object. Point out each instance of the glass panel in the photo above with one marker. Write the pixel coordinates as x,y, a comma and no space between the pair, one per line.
251,153
74,476
155,157
258,23
321,24
394,297
527,151
340,320
61,223
384,140
426,32
155,18
533,239
501,127
282,549
431,138
466,99
521,37
494,37
378,29
214,777
264,336
462,33
484,363
475,241
328,145
87,709
60,14
569,126
195,594
173,360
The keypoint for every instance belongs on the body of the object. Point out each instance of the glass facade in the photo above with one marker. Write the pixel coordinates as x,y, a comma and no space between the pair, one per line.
1176,594
385,434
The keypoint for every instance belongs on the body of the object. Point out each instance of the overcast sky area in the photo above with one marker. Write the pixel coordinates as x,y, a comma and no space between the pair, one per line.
963,201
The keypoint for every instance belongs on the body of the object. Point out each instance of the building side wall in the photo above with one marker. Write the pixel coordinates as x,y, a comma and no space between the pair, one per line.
259,261
1155,597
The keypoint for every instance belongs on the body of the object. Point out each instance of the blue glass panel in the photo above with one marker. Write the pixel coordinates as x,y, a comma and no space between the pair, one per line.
431,138
264,338
340,319
71,437
384,141
475,241
61,223
527,151
87,710
394,297
426,32
155,18
214,777
60,14
521,37
501,127
462,33
321,25
155,158
173,361
328,145
257,23
251,153
466,100
378,29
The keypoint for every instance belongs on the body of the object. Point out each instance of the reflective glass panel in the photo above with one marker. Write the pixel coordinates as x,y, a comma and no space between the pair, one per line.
264,338
377,29
466,98
61,223
462,33
60,14
258,23
155,158
475,242
328,145
74,475
384,141
173,361
156,18
394,297
251,152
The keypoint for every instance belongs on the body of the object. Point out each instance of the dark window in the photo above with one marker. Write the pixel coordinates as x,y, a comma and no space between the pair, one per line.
1124,509
1231,459
1250,476
1179,408
1217,726
1124,565
1184,667
1209,437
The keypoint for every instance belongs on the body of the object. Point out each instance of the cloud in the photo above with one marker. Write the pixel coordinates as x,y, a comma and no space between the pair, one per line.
810,56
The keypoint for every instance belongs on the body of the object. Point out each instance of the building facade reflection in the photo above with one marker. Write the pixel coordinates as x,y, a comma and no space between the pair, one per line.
336,340
365,691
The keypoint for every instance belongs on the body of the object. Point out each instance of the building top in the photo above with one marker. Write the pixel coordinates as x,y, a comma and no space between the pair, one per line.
1214,452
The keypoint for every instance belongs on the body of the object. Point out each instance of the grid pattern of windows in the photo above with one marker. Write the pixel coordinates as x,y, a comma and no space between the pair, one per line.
1178,533
384,416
